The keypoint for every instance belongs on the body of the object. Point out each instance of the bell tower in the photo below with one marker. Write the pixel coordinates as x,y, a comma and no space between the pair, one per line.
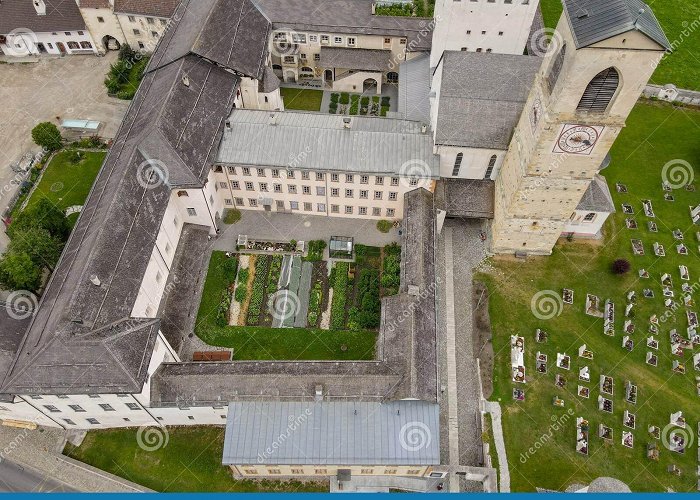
599,59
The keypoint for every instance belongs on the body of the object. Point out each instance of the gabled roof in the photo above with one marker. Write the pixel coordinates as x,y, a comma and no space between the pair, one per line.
593,21
60,15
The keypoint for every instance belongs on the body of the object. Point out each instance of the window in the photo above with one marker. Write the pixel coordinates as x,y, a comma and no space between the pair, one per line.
491,165
249,186
107,407
159,276
239,201
290,59
261,172
305,175
335,192
275,173
191,212
292,189
366,471
325,38
390,212
500,33
93,421
100,19
317,57
231,170
294,205
246,170
469,32
279,204
338,39
379,180
154,34
235,185
362,210
252,202
413,181
62,396
274,471
132,406
52,408
377,195
364,179
137,32
479,49
250,471
320,471
320,176
457,165
402,41
308,207
387,40
348,193
306,189
413,472
335,209
313,38
348,210
393,196
376,211
290,174
389,471
36,397
298,38
335,177
555,69
349,178
76,408
351,41
394,181
141,45
263,187
589,217
150,20
190,417
599,92
68,421
168,248
364,194
164,22
277,188
320,191
223,185
321,207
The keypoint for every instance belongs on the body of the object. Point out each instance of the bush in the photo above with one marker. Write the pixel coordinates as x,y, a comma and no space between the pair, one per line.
274,276
340,290
332,108
241,290
369,313
126,53
383,110
334,98
621,266
74,156
364,101
232,215
316,248
393,10
47,135
385,101
315,303
384,226
391,269
344,98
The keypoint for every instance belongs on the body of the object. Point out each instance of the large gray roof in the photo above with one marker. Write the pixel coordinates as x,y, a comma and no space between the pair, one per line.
597,197
593,21
381,145
332,433
346,16
414,89
481,97
469,198
60,15
359,59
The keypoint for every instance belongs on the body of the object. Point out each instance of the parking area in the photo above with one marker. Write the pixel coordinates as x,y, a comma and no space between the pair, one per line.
50,90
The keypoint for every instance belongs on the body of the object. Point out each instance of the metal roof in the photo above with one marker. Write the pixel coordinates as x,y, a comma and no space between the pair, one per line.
414,89
321,141
405,432
593,21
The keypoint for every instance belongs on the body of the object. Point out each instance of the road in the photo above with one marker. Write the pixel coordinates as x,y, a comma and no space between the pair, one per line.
15,478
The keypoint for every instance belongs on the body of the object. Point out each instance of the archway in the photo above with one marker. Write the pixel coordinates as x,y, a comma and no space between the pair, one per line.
290,76
369,85
328,75
110,43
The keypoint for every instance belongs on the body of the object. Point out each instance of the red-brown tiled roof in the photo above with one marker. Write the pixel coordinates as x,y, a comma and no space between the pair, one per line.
158,8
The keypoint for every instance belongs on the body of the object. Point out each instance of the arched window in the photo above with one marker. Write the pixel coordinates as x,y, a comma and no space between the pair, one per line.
599,92
489,169
457,165
182,193
492,161
554,71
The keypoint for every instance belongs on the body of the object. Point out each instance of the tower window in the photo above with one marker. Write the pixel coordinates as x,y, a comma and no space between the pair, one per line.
457,165
589,217
491,166
599,92
554,71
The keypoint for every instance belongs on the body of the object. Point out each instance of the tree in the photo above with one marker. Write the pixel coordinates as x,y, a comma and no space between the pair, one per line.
621,266
18,272
47,135
44,214
37,242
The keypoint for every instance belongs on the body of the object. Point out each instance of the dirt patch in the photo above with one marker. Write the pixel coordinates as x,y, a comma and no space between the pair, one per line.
482,336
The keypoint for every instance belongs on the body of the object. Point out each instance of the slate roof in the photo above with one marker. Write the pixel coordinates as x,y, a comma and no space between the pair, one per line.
414,89
593,21
359,59
94,4
13,325
156,8
83,326
481,97
597,197
346,16
60,15
381,145
333,433
470,198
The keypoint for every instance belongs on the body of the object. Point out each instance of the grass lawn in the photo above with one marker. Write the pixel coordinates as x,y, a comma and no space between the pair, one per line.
655,134
66,184
189,462
681,67
302,99
264,343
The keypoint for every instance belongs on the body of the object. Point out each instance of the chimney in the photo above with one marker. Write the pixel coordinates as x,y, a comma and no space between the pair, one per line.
374,8
273,119
40,7
347,122
318,393
95,280
186,80
423,128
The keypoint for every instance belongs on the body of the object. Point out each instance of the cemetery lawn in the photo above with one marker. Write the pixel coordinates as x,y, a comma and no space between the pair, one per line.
301,99
189,462
676,18
655,134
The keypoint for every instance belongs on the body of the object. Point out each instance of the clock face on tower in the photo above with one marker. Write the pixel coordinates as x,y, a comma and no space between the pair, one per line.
577,139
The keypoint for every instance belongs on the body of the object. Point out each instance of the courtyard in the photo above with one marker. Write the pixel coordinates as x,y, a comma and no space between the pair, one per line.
574,340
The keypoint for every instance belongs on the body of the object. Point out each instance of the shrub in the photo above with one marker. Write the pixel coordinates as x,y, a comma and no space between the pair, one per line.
384,226
368,296
344,98
315,303
241,290
274,277
621,266
232,215
47,135
333,108
334,97
364,101
383,110
393,10
385,101
391,269
126,53
375,99
74,156
316,248
340,290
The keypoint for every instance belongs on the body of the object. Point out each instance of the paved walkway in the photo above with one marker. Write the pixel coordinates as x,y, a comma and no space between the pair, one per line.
494,409
40,450
285,227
